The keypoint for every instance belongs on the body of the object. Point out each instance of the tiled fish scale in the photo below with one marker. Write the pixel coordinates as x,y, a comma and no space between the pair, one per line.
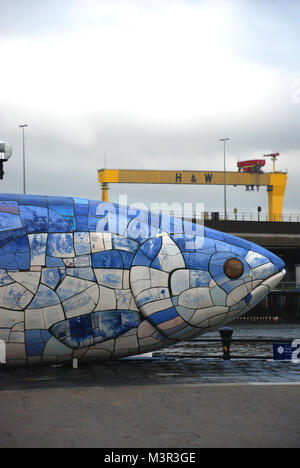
95,280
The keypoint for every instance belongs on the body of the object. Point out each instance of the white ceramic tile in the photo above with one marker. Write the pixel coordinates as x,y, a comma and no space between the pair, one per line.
145,329
72,286
82,261
93,292
126,342
8,318
78,305
152,307
264,271
274,280
258,295
107,299
55,348
10,296
17,337
195,298
124,297
38,244
201,316
97,242
34,319
133,305
237,294
126,279
109,277
158,278
180,281
186,314
99,353
5,278
139,273
218,296
25,299
53,315
139,286
30,280
107,238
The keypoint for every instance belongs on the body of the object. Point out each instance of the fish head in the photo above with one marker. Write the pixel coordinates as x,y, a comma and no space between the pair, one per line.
186,285
224,277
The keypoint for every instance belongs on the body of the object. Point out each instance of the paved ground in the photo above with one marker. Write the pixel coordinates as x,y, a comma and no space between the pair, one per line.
152,404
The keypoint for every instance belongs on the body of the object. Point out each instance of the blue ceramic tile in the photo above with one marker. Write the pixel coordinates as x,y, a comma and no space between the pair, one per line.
38,243
50,277
54,262
127,258
60,245
156,264
9,207
7,236
278,262
34,200
97,224
141,260
197,261
9,196
81,331
35,341
9,221
82,223
163,316
15,255
213,234
45,297
34,218
110,324
151,247
83,273
57,223
239,251
244,244
130,319
199,278
123,243
107,259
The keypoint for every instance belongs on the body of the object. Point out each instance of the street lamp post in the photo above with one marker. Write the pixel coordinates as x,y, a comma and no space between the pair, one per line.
24,167
225,205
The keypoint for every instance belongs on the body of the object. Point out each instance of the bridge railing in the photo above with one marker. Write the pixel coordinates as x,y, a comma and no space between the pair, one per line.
240,216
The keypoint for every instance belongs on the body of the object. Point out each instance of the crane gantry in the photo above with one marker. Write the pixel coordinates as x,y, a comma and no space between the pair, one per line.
274,181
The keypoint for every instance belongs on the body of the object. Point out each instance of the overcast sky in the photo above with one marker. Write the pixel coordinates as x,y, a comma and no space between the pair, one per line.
152,84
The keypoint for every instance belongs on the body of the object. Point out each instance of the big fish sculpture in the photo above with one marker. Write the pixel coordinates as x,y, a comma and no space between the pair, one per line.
97,281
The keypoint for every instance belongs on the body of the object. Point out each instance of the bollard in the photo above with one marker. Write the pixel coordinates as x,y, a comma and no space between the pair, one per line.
75,363
226,335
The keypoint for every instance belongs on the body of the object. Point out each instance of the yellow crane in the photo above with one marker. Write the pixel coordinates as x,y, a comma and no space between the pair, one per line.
274,181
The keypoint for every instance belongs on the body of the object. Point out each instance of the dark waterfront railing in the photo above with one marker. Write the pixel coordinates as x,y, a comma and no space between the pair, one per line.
239,216
225,343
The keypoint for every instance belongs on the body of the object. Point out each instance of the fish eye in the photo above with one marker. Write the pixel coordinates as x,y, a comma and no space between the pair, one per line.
233,268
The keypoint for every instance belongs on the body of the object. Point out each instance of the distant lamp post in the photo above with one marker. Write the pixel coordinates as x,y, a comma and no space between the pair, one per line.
5,154
24,166
225,205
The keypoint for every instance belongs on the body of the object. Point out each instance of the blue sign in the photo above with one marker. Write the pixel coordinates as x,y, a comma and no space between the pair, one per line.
283,351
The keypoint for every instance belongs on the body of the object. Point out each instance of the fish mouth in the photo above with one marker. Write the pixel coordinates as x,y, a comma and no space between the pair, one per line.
264,288
273,280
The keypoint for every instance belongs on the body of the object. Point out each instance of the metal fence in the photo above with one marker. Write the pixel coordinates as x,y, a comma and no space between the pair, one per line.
240,216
